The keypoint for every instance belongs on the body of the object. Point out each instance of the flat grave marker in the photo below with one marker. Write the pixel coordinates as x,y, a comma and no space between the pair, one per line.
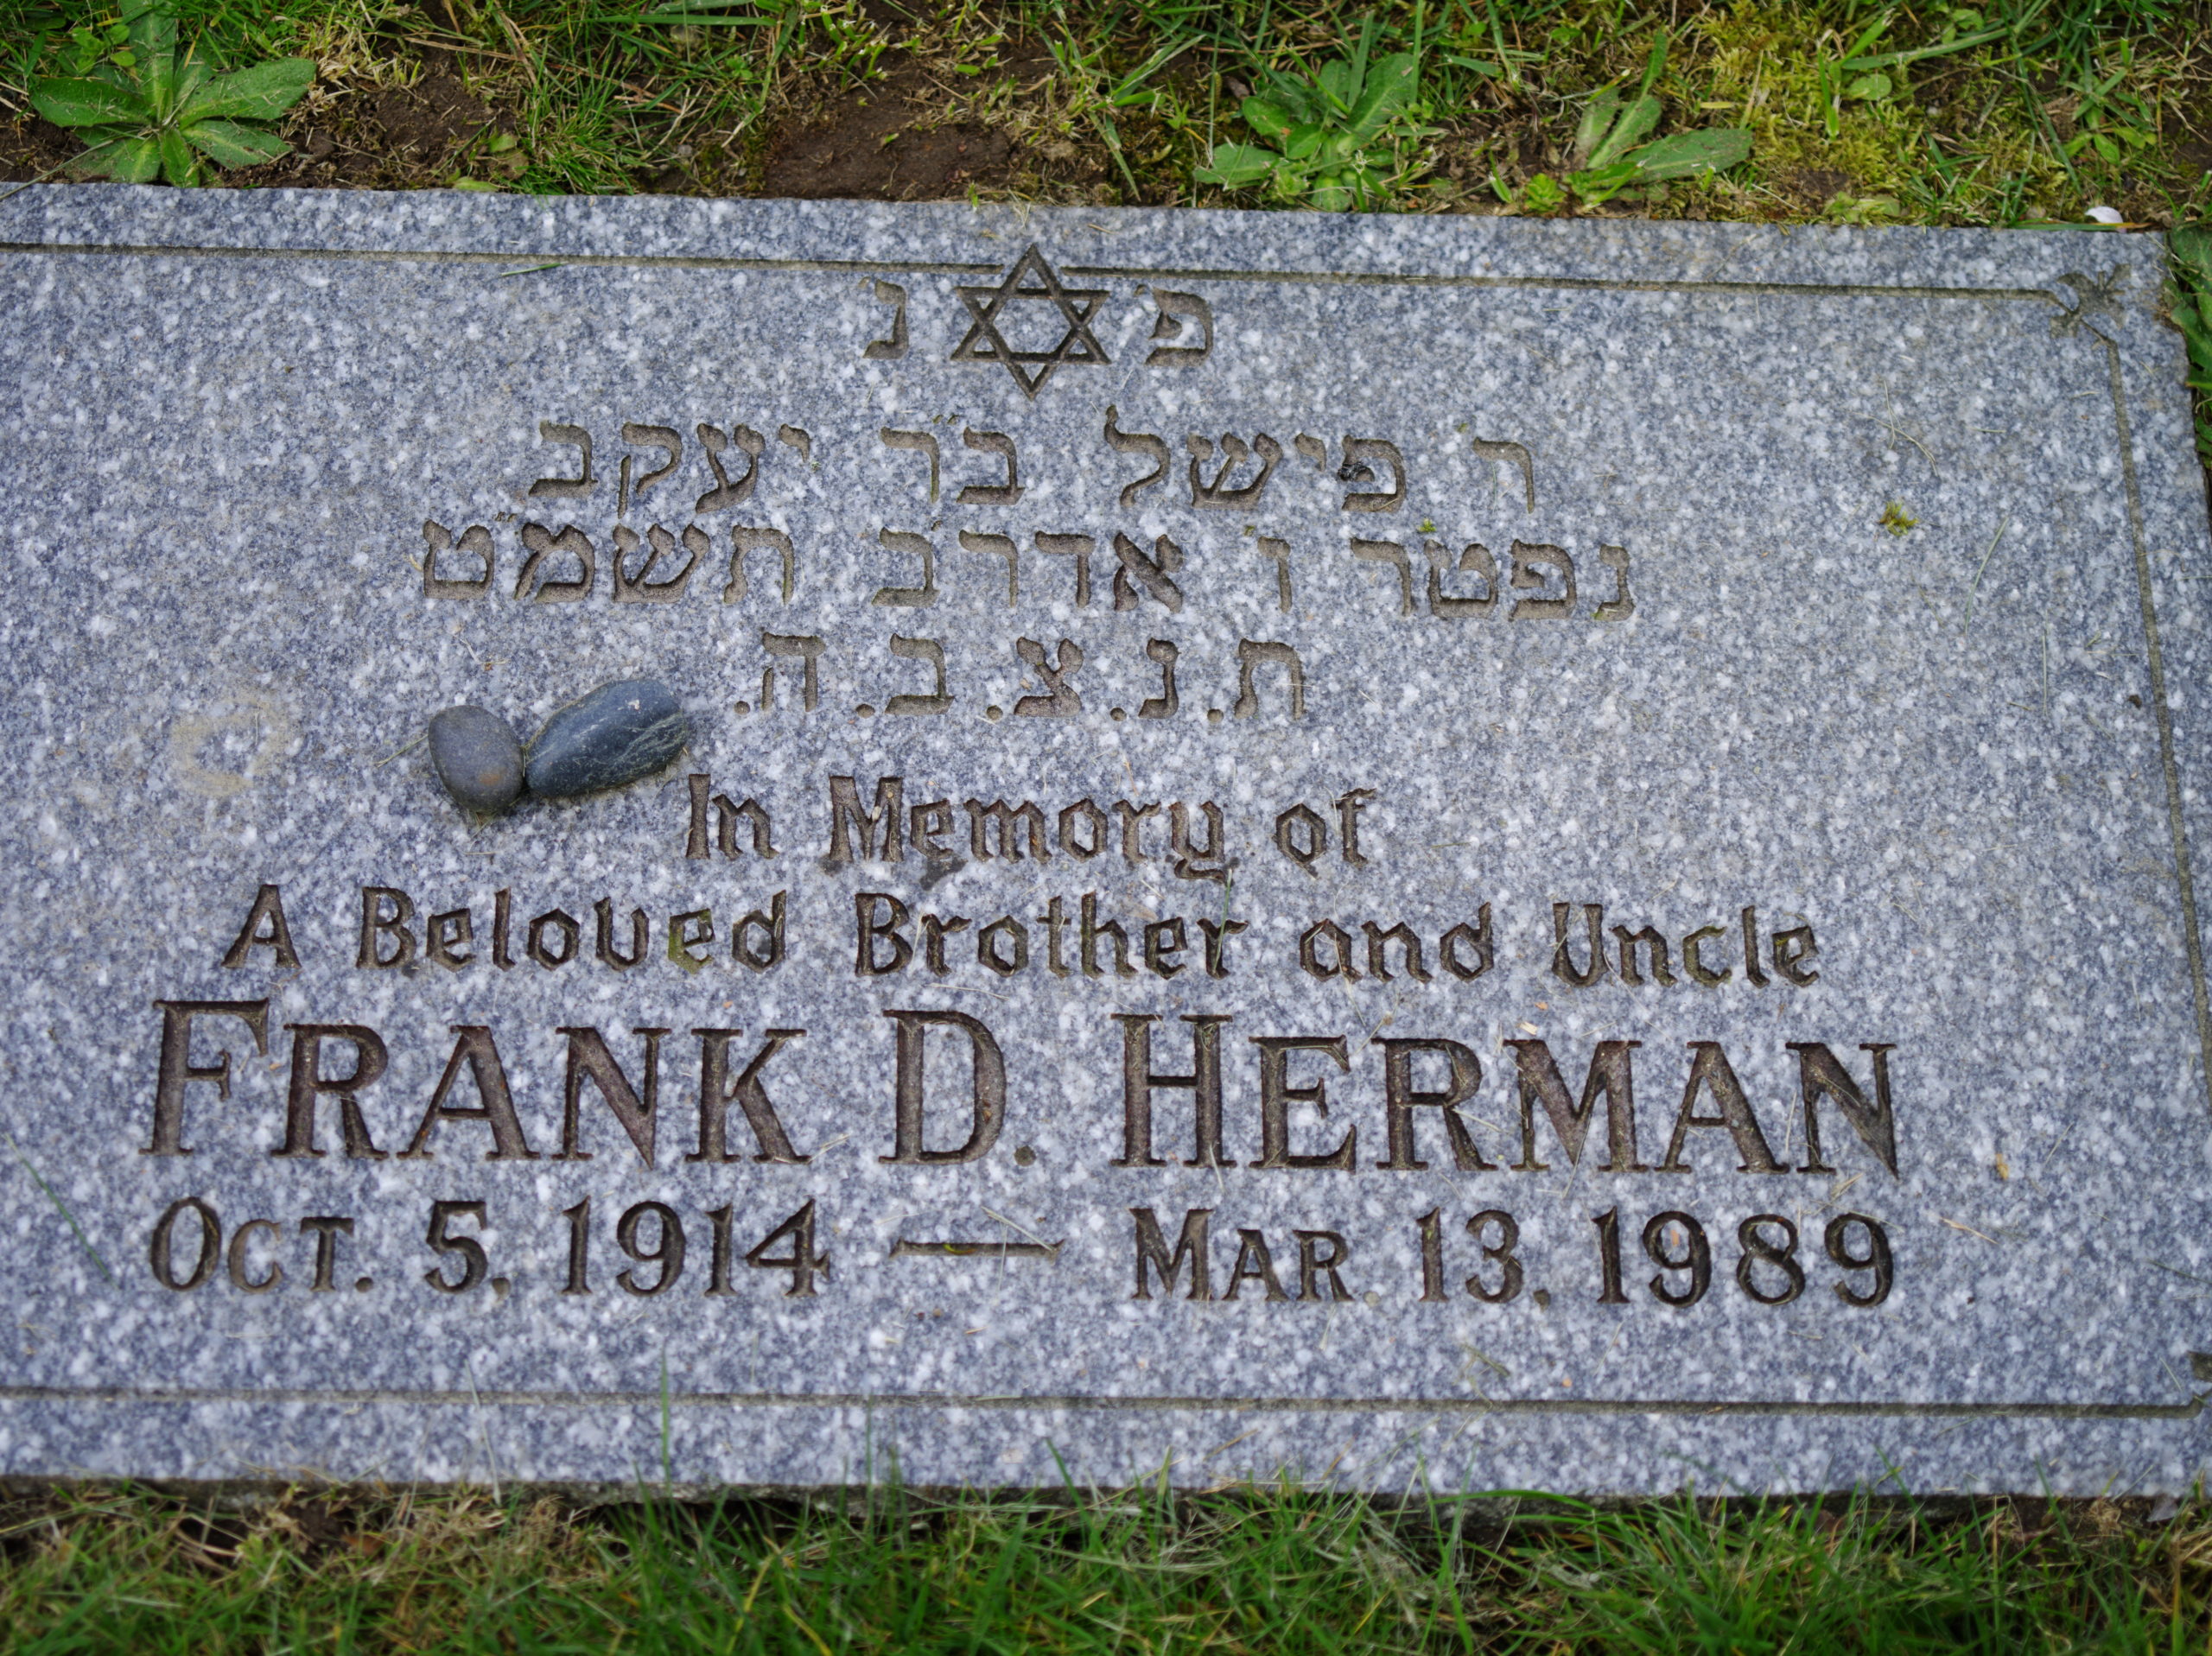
1430,853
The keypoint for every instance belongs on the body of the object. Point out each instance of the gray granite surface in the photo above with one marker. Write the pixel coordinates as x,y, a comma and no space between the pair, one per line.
1882,678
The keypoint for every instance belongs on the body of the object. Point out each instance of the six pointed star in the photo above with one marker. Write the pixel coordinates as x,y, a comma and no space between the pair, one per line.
1031,279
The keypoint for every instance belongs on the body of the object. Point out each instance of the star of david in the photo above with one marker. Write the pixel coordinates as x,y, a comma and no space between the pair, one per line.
1031,279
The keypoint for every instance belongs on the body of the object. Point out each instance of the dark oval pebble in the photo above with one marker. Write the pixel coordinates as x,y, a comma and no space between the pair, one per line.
617,733
478,759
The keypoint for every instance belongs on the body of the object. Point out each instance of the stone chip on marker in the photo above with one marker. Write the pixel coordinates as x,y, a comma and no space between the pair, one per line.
478,759
612,736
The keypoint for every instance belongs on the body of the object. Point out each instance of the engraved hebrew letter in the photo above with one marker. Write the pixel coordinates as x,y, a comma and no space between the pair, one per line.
1137,442
992,494
997,546
1079,548
539,542
796,437
890,293
726,493
1360,455
742,541
1153,573
1063,699
809,649
1524,560
1517,455
909,598
565,488
1162,706
928,650
475,540
664,438
1476,558
1314,449
922,444
1393,553
1249,654
1618,607
641,588
1280,551
1181,313
1234,455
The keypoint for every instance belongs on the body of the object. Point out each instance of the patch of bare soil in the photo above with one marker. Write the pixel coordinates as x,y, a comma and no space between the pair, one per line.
872,145
423,123
2194,151
888,141
1815,187
34,148
387,137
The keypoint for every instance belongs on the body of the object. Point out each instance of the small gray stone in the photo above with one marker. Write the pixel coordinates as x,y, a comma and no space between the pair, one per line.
617,733
478,758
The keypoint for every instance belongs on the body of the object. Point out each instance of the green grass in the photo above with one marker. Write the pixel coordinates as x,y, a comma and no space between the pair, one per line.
1241,1571
2007,113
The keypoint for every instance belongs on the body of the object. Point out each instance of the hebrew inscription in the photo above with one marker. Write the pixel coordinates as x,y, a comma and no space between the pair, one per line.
1226,473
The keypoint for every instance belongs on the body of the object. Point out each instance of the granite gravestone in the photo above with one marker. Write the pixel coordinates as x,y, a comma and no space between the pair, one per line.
1430,853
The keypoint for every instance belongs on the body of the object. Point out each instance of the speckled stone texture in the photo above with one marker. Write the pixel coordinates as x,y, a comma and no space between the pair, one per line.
1886,652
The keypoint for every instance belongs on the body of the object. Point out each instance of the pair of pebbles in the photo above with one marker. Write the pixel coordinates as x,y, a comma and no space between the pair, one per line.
613,735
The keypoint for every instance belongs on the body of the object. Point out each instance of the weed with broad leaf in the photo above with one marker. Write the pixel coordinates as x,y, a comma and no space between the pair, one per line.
1611,153
1341,136
150,111
2188,301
